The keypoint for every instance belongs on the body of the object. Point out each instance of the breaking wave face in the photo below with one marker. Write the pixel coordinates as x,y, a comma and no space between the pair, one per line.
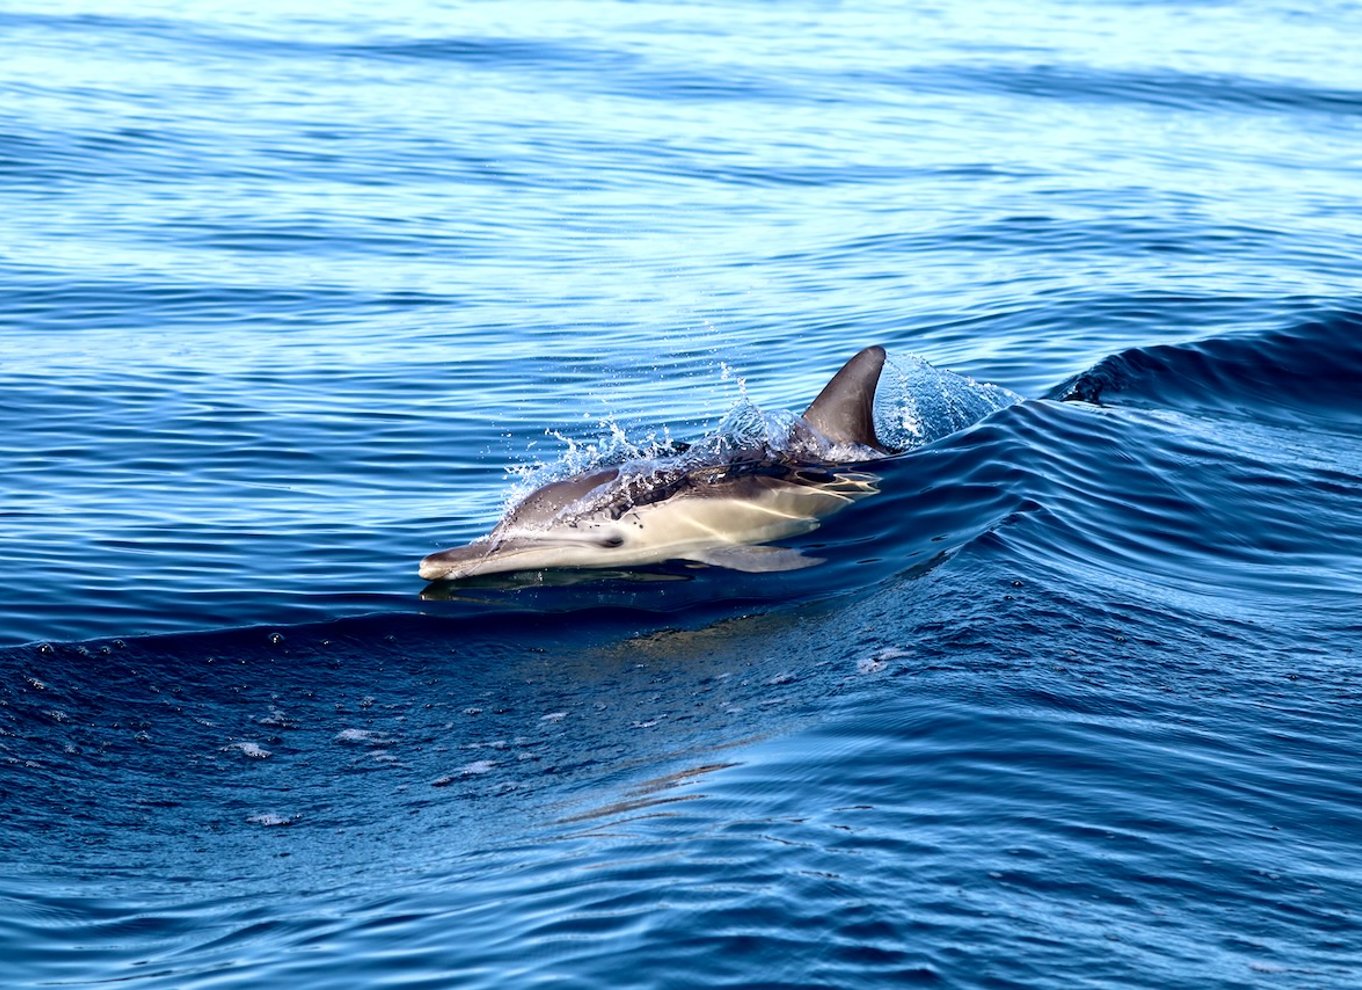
1307,373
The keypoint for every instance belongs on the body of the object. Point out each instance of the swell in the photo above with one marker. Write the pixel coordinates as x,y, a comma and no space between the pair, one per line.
207,36
1161,87
597,68
629,72
1307,371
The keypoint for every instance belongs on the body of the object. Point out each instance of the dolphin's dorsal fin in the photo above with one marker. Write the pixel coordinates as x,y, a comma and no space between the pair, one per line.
844,411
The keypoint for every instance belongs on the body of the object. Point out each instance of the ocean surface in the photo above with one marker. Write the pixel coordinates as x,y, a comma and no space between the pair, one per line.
292,295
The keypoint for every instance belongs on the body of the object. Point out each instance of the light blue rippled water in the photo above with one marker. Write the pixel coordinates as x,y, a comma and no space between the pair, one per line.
290,298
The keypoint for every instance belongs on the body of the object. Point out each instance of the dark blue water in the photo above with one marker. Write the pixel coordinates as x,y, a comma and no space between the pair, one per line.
290,299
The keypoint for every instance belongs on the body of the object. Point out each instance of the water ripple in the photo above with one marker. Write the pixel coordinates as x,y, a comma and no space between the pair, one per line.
293,297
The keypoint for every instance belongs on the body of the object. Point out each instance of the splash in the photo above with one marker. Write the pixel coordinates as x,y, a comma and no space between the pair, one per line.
918,403
915,405
613,446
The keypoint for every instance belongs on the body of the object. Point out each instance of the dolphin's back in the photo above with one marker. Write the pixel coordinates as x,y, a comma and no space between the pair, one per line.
545,505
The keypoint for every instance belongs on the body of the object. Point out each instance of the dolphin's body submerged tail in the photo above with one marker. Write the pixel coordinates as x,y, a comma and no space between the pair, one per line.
720,514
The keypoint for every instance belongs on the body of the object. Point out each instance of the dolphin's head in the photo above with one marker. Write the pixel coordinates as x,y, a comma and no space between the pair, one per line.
528,550
541,531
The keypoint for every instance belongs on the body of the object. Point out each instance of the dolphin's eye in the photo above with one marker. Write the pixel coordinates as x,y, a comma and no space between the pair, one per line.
614,540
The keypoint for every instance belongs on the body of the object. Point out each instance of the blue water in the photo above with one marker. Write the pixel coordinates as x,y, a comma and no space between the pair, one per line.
291,297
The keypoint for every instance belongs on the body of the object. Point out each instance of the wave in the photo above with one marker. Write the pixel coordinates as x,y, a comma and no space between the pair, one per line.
1308,371
1164,87
1050,485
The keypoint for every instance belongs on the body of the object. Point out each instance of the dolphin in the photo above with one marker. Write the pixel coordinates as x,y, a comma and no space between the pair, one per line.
722,510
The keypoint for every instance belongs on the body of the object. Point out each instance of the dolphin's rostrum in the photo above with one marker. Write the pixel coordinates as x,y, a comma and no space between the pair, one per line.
718,511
